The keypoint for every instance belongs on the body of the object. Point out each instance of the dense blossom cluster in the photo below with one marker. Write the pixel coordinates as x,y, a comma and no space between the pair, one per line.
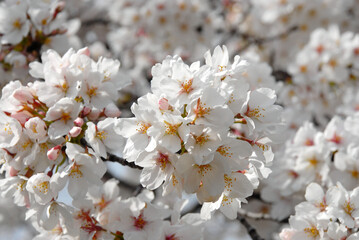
29,27
311,156
196,137
162,26
325,215
324,77
275,17
205,130
42,125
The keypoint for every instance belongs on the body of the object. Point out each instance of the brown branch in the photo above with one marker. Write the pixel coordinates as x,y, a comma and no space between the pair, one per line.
251,230
95,21
281,76
253,40
114,158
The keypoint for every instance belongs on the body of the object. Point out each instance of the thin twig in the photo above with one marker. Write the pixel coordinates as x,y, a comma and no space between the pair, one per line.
253,40
95,21
114,158
251,230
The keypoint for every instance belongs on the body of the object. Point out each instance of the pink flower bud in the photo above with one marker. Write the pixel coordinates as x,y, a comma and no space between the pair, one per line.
164,105
59,8
84,51
286,234
75,131
13,172
53,153
94,114
22,117
163,102
23,96
79,122
86,111
112,110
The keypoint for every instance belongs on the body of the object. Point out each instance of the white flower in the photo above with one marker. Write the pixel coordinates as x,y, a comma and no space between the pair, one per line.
202,143
84,169
102,137
219,60
14,24
104,195
158,166
305,228
10,131
348,167
36,129
40,187
260,109
210,110
15,187
62,115
51,214
344,205
135,130
237,188
206,180
142,220
178,82
95,92
170,131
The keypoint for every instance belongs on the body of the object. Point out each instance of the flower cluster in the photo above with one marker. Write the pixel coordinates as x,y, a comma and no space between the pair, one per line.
205,129
313,156
162,27
325,215
275,17
159,28
53,133
103,214
29,27
324,76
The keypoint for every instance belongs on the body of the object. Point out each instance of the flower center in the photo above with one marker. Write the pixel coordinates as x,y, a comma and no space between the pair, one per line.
101,135
42,187
162,160
312,232
142,127
348,208
186,86
17,24
139,222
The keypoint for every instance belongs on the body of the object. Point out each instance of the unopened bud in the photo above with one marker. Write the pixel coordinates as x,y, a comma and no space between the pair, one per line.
53,153
84,51
164,105
86,111
23,96
112,110
79,122
22,117
13,172
94,114
59,8
75,131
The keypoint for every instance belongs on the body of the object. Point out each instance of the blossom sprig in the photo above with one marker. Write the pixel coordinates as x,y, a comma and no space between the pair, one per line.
53,132
103,214
324,76
331,214
205,129
27,28
323,157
